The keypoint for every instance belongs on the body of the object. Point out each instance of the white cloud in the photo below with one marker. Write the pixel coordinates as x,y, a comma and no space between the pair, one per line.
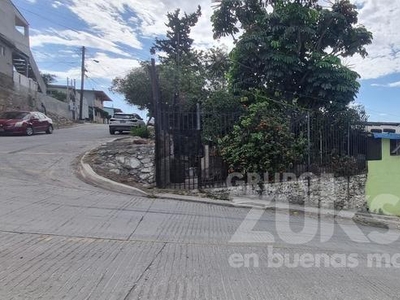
381,18
106,67
203,35
142,19
105,18
56,4
74,39
118,23
388,85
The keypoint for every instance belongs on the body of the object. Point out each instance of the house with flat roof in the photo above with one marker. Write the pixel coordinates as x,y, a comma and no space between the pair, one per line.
95,100
16,58
382,188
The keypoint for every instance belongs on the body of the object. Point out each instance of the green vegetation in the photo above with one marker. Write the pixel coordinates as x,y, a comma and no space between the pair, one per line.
286,54
292,50
142,132
48,78
61,96
262,141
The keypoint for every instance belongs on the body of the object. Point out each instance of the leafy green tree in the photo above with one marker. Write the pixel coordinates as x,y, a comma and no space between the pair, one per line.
136,87
186,76
48,78
178,45
216,65
61,96
221,110
261,141
179,60
291,50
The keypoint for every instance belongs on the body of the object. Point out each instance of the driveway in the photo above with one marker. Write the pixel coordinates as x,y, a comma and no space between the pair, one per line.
61,238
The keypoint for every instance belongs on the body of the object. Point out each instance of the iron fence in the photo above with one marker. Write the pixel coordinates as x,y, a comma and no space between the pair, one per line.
187,154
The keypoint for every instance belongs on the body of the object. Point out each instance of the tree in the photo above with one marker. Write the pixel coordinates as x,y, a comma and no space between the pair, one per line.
221,110
216,64
180,71
261,141
178,45
291,50
48,78
136,87
61,96
180,60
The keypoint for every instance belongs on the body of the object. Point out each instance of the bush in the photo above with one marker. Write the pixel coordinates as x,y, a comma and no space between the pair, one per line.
261,142
344,166
142,132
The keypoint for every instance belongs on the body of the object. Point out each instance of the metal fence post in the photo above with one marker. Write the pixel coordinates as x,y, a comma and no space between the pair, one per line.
308,141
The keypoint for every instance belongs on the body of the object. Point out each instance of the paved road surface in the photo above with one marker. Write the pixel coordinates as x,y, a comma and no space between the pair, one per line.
63,239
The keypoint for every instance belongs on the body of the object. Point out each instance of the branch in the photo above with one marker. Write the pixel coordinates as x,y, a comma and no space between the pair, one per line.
318,45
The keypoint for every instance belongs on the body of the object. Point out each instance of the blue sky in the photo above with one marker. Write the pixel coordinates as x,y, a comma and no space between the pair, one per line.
119,33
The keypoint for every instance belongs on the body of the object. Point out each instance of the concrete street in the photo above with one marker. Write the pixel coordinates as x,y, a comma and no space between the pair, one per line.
61,238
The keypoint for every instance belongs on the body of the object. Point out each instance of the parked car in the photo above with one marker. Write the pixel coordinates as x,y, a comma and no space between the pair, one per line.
125,122
25,122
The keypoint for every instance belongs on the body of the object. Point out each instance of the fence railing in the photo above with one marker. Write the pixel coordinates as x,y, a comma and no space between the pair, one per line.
187,152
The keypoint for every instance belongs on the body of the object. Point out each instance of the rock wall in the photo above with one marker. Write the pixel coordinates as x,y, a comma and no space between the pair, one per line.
325,191
129,160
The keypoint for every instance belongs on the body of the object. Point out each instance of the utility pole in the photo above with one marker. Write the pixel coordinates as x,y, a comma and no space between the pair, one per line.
82,83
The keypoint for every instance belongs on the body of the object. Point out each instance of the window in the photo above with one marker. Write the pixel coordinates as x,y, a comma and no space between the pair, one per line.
374,149
2,51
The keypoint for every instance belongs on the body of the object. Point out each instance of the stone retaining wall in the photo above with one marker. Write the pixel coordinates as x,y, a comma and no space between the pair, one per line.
128,160
131,160
325,191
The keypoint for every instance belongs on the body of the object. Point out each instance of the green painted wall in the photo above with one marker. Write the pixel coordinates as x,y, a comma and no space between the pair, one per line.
383,183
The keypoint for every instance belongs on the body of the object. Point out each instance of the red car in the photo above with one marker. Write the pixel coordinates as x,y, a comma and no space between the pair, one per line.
25,122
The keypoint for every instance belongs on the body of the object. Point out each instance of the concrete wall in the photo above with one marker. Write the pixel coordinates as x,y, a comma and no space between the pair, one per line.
55,106
13,96
9,18
90,97
383,188
25,82
63,89
6,66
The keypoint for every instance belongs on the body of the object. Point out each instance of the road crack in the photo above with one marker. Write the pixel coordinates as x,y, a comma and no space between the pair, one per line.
144,272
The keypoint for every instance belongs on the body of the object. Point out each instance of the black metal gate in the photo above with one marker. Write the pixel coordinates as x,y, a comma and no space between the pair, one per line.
184,159
187,158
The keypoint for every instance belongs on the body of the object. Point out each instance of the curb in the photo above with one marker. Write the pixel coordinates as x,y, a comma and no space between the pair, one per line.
387,222
198,200
91,177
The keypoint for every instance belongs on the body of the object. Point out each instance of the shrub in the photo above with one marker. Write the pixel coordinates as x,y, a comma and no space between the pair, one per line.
261,142
344,166
142,132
